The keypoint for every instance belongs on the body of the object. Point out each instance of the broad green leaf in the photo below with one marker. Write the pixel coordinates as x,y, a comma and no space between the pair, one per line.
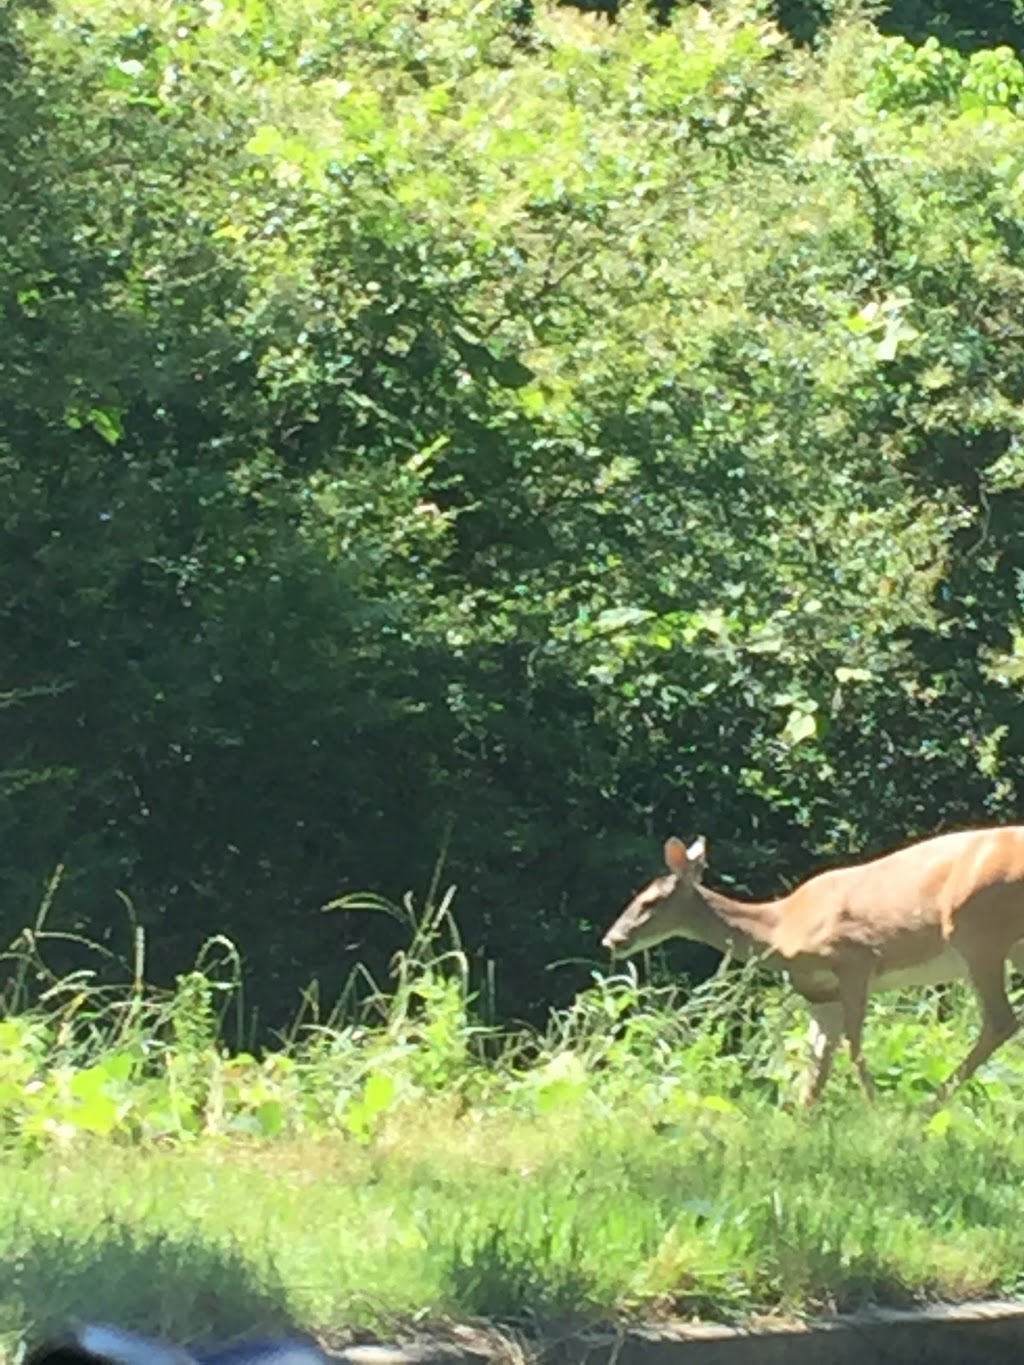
939,1124
379,1092
266,141
106,422
96,1113
119,1066
800,726
88,1082
271,1118
718,1104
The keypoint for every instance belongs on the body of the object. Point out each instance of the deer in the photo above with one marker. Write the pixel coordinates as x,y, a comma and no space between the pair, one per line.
946,908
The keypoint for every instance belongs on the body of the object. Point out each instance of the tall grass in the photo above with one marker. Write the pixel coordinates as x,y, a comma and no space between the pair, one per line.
401,1159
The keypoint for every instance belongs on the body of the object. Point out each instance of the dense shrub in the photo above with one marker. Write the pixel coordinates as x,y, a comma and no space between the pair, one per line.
422,432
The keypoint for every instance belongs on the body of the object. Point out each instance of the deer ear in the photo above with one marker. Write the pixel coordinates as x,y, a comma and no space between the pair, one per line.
697,855
676,858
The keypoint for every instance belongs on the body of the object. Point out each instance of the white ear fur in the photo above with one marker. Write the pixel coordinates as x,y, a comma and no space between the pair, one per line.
697,857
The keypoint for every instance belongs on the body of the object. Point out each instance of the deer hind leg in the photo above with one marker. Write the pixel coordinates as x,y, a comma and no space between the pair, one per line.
986,968
823,1037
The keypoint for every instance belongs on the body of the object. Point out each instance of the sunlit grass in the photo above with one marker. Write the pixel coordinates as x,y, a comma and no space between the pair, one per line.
532,1217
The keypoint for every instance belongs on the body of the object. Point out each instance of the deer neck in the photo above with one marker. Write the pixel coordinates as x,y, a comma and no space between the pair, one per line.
744,929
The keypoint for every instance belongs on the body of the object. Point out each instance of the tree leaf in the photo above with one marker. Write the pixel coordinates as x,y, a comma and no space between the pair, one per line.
800,726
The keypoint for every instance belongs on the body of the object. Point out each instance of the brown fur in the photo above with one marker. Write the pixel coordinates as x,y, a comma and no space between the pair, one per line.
940,910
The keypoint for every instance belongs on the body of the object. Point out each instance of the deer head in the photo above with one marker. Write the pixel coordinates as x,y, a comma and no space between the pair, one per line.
667,907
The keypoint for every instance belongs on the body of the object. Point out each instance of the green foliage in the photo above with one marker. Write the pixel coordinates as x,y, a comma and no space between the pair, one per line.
904,76
431,431
156,1065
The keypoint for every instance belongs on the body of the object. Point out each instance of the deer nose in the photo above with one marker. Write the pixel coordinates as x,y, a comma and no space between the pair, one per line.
611,940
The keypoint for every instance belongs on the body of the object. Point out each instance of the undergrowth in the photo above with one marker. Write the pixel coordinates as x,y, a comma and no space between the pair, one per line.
400,1161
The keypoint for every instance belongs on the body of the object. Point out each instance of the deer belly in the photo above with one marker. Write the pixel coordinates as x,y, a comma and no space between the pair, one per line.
946,965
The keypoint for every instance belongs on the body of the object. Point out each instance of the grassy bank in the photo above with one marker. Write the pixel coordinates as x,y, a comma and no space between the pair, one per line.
402,1162
517,1218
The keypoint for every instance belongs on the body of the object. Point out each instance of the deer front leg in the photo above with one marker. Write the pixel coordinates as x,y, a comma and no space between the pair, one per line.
823,1035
